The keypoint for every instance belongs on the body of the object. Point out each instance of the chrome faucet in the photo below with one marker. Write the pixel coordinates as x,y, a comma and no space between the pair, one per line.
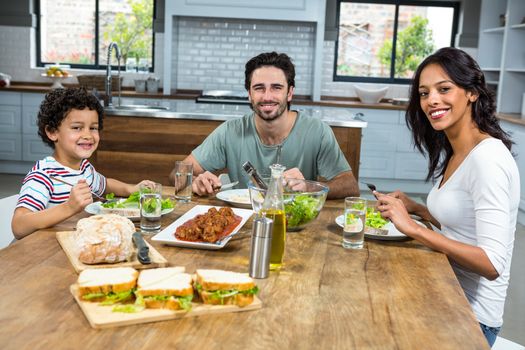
108,73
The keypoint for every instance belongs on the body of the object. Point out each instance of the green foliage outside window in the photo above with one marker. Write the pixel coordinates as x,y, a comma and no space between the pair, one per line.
414,43
132,32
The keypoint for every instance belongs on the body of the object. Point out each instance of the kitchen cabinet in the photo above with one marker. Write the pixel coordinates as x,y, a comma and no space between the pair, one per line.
18,128
10,126
501,53
33,148
517,132
388,156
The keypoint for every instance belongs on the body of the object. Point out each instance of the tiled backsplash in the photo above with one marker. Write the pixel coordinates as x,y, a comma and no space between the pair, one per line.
210,53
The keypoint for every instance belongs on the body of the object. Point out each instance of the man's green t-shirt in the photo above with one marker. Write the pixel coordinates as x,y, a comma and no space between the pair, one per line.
311,146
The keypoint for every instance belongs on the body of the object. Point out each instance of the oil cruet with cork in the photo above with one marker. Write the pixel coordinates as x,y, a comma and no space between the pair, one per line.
273,208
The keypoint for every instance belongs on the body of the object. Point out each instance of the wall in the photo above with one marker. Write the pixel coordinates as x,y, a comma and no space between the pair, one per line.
210,53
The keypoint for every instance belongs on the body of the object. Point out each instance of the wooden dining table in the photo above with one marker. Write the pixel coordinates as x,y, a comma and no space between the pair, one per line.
388,295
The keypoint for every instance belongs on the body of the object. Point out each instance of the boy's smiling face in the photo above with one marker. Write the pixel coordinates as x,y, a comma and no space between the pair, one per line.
77,137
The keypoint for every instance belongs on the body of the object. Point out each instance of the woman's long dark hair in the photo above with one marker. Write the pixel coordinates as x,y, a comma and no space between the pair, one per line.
465,73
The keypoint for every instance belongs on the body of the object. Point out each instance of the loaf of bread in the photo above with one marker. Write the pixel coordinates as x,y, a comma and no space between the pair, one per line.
104,239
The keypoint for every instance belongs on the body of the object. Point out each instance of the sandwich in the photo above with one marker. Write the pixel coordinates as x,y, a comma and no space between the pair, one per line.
220,287
166,288
108,286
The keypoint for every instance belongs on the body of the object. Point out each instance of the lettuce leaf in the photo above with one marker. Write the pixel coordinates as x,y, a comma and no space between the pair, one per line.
301,210
374,218
113,298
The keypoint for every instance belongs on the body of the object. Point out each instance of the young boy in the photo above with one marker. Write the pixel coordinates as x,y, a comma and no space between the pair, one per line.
69,121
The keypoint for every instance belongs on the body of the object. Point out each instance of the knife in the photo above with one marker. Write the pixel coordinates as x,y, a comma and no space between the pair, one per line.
142,249
227,186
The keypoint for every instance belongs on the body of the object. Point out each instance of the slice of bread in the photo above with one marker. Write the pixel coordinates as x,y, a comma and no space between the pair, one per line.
212,280
164,281
106,280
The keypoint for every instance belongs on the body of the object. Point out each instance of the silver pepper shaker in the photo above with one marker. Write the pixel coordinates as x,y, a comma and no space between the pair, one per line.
261,247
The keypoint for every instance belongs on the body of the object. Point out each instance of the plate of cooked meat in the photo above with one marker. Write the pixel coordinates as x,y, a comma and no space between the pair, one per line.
204,227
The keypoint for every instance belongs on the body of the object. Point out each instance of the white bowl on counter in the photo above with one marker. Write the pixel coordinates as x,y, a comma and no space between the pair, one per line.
370,95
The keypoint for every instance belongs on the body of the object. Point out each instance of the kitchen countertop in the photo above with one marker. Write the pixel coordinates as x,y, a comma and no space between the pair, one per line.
388,295
213,111
336,102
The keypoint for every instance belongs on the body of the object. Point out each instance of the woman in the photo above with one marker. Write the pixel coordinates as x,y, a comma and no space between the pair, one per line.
476,194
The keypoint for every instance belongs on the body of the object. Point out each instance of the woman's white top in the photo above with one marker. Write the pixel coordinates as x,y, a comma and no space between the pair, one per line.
478,205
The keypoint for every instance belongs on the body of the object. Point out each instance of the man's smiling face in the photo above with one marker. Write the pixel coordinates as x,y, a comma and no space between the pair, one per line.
269,93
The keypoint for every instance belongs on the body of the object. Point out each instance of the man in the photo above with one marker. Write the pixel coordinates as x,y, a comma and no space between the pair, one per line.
272,134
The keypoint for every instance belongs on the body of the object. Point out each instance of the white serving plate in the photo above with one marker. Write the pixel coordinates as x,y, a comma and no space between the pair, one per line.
393,232
238,198
96,208
167,236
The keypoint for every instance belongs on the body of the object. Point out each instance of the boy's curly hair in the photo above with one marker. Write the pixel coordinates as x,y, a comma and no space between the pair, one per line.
58,103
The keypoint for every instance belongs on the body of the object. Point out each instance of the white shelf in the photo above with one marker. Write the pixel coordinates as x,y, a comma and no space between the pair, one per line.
497,30
502,56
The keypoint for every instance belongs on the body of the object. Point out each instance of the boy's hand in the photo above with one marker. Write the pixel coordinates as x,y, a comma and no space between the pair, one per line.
80,196
147,183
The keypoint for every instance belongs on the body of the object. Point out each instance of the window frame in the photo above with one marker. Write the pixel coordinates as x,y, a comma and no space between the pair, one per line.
455,5
96,65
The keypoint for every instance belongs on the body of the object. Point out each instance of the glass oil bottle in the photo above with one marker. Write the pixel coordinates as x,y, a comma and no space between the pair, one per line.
273,207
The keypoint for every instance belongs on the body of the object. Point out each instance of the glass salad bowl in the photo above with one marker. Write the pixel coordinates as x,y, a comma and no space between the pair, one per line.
301,206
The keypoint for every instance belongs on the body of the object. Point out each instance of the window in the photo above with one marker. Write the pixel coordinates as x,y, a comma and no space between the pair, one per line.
384,41
78,32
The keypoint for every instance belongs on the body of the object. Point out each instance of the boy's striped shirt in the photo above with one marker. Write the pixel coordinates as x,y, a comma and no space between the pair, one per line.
40,192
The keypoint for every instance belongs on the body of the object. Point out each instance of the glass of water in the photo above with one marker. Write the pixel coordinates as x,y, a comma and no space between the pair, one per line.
150,208
183,179
354,225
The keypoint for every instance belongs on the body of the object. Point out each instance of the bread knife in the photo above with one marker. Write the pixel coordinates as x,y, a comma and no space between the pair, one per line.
142,249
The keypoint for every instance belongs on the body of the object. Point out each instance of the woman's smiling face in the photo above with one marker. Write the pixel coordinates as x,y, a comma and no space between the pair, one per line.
445,104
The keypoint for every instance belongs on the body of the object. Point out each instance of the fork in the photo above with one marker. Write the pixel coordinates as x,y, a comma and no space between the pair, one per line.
102,199
372,187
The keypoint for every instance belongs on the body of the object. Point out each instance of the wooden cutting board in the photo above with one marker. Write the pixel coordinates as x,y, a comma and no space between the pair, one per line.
66,240
103,316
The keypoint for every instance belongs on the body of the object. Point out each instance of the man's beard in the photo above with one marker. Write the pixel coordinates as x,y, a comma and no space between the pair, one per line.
282,107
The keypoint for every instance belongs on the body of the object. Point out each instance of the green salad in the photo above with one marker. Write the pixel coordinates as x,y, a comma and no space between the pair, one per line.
301,210
133,202
374,219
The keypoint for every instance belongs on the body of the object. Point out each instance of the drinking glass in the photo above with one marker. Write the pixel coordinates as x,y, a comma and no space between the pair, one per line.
354,224
143,66
131,65
183,179
150,208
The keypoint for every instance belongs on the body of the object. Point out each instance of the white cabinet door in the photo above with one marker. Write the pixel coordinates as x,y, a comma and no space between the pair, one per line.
10,119
377,165
378,144
30,106
10,146
33,148
410,164
10,98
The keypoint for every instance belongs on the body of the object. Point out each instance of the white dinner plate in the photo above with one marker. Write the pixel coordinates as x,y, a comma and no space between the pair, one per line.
237,198
393,232
167,236
96,208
